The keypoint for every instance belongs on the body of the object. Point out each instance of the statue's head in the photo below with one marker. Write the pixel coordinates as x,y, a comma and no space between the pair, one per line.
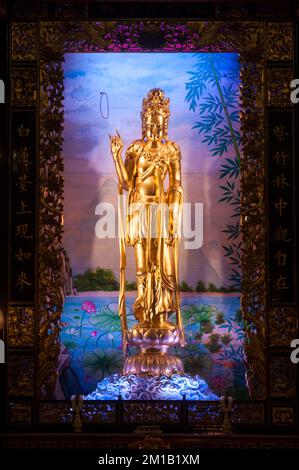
155,115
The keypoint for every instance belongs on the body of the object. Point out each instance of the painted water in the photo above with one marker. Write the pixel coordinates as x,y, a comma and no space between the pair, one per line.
91,335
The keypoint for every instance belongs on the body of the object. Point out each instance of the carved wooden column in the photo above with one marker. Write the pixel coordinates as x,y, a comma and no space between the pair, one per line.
21,314
281,297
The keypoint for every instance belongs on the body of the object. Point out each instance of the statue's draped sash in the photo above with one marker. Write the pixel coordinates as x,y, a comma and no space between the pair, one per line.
146,220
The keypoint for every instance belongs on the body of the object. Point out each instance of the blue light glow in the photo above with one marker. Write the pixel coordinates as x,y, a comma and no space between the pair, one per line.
133,387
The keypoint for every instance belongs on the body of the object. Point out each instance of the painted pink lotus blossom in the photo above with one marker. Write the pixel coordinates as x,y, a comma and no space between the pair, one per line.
94,333
88,307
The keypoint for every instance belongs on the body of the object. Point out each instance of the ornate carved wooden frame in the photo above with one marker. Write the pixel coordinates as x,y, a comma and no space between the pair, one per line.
258,43
248,39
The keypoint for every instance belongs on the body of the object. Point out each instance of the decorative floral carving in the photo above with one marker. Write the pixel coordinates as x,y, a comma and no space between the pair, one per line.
20,413
205,414
53,413
21,376
246,37
20,327
51,296
248,413
283,415
282,327
100,412
280,41
151,412
282,378
253,226
24,86
24,41
51,38
57,38
150,442
279,88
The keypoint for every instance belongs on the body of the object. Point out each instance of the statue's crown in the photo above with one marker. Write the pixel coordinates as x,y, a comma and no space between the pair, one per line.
156,103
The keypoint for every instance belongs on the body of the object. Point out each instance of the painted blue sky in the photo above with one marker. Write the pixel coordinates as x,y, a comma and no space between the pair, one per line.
127,78
89,169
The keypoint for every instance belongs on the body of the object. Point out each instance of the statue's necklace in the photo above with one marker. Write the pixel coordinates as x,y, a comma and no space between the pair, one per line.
156,156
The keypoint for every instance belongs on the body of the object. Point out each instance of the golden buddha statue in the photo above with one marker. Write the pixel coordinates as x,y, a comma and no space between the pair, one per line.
152,227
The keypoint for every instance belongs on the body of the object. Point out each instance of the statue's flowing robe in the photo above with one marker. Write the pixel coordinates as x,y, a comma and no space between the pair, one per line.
147,222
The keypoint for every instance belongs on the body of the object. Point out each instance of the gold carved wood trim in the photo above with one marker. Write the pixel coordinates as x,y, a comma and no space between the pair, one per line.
249,39
21,326
280,41
24,42
51,295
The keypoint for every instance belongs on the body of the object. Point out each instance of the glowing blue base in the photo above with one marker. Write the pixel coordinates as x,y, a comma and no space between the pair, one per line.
133,387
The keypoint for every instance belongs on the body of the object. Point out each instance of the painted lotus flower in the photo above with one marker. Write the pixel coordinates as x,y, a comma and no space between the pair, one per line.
88,307
72,331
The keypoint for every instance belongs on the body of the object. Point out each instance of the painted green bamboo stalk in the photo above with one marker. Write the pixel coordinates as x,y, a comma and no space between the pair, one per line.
232,132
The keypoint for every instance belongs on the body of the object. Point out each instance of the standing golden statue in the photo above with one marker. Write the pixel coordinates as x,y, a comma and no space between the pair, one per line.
152,227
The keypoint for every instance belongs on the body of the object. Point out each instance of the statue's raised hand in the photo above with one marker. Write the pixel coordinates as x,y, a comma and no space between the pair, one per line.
116,145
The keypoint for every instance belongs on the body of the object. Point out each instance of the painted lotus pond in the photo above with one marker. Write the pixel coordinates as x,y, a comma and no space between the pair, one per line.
214,329
204,91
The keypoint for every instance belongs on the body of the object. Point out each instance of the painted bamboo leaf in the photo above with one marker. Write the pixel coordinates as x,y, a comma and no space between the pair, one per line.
231,169
218,125
233,231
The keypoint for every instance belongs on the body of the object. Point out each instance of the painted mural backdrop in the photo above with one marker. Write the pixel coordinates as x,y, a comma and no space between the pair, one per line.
104,92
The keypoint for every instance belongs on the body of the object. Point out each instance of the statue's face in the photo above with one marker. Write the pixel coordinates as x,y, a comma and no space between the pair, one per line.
154,127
